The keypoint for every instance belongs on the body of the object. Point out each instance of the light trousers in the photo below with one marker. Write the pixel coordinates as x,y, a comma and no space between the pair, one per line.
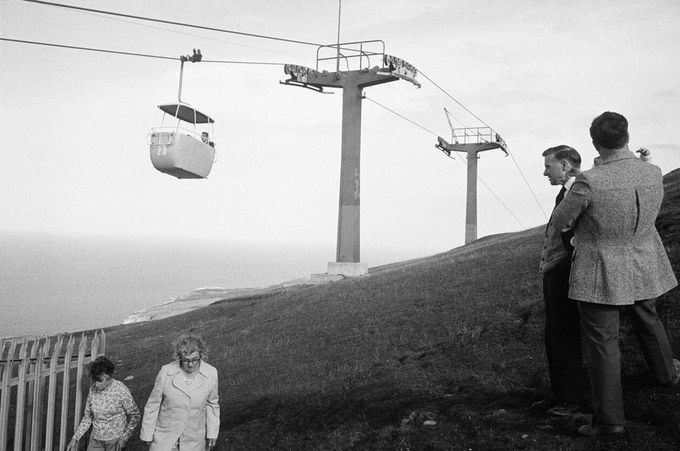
103,445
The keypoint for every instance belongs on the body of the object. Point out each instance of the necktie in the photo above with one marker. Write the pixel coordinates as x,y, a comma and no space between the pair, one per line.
566,236
560,196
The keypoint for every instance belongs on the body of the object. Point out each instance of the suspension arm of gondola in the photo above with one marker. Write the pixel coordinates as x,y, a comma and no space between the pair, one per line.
196,57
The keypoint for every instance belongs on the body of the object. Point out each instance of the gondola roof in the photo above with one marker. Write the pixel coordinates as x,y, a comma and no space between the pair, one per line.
186,113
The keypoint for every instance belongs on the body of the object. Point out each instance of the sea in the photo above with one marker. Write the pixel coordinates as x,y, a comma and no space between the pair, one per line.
67,283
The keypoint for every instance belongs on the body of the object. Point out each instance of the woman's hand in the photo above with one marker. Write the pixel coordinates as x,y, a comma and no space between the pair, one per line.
72,445
211,443
120,444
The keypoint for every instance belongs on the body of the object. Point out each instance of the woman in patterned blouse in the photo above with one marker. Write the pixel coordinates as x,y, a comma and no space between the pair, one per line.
110,410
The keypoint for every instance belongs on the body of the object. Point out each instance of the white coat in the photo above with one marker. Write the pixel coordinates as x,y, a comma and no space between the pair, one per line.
176,410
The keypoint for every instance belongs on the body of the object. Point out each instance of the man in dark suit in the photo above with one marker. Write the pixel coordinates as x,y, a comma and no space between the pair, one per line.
619,263
562,333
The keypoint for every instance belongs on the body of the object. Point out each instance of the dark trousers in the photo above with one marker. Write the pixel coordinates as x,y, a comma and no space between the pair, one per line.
600,324
562,334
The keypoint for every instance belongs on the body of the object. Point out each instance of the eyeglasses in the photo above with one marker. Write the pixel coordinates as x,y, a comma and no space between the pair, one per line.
190,361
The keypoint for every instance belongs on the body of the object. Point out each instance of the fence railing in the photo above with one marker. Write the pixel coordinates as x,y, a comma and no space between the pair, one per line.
36,383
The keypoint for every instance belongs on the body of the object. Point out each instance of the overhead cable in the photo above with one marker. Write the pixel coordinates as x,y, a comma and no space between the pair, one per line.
88,49
403,117
180,24
526,182
452,98
187,33
145,55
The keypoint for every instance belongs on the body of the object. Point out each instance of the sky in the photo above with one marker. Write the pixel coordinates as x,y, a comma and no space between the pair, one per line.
75,123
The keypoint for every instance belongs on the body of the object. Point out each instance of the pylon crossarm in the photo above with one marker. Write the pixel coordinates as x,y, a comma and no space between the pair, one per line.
444,146
502,144
299,76
305,85
397,67
479,138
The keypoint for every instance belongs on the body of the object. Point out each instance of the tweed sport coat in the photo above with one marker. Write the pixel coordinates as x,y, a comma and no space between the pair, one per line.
176,410
618,255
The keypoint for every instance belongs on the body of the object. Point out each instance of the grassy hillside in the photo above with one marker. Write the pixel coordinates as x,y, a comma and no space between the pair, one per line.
454,340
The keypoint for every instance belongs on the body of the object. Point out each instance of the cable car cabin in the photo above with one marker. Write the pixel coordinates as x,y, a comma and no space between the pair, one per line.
179,151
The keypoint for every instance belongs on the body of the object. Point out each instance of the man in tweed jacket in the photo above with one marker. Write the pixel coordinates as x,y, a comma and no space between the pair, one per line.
619,262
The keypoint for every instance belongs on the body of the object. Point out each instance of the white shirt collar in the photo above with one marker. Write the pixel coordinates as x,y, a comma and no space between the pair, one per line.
568,183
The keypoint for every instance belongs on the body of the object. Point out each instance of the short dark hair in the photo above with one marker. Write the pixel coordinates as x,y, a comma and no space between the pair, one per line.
609,130
101,365
563,152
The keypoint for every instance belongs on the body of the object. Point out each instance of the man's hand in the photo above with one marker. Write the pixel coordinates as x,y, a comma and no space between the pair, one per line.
211,443
645,154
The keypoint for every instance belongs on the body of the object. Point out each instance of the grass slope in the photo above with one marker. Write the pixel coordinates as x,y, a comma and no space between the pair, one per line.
363,363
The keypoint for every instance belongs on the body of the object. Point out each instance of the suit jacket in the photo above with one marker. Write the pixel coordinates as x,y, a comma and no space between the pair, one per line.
618,255
176,410
554,247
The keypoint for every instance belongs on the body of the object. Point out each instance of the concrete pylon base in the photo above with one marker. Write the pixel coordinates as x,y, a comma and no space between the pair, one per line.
348,269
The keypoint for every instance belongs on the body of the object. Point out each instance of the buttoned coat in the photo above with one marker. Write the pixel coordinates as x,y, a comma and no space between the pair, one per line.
176,410
553,248
618,255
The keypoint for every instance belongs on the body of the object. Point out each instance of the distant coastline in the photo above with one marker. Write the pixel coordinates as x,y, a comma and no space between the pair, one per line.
55,283
202,297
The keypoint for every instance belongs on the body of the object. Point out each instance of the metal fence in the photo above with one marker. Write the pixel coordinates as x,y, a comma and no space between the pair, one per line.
37,387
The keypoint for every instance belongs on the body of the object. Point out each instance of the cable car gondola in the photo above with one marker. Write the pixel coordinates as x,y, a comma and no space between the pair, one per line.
180,151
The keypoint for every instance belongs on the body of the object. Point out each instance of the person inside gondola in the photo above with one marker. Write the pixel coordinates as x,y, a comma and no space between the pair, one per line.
206,139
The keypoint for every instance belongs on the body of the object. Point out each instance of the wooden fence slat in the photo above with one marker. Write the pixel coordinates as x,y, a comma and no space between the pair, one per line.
37,389
21,396
5,376
51,392
94,345
35,344
79,380
65,392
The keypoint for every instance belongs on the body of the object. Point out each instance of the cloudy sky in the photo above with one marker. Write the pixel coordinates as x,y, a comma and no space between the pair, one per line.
74,123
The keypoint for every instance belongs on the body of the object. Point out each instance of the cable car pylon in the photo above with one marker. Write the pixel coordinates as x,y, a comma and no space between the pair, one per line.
471,140
352,83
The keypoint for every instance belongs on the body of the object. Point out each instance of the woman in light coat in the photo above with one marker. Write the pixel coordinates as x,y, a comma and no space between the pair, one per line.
182,412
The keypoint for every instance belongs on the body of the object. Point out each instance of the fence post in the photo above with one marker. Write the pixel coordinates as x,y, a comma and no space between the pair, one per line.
51,392
5,376
35,343
65,392
79,381
21,395
37,398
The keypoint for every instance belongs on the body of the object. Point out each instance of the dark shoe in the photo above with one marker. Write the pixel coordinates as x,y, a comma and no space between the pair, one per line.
543,405
603,429
564,410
